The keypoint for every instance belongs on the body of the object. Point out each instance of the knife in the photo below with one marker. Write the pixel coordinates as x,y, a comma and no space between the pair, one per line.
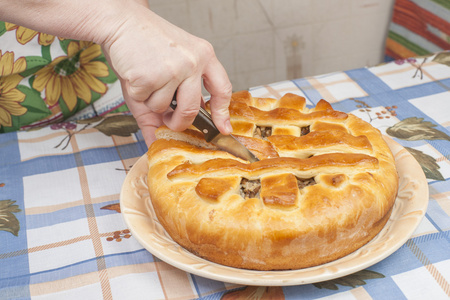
228,143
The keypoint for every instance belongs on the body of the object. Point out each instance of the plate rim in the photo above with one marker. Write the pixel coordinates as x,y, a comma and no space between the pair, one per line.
258,278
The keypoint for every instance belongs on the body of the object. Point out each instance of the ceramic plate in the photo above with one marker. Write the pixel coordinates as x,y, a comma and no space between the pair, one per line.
409,208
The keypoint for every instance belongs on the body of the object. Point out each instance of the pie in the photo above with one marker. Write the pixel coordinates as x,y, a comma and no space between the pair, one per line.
325,185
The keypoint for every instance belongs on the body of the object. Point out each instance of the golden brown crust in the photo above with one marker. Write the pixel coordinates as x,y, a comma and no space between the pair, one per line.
324,186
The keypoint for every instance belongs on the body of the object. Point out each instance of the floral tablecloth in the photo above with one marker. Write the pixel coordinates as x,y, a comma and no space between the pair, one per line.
62,235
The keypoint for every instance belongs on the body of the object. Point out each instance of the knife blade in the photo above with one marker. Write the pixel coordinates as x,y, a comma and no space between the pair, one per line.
228,143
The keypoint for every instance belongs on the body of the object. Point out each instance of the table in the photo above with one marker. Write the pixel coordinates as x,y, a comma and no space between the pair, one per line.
62,235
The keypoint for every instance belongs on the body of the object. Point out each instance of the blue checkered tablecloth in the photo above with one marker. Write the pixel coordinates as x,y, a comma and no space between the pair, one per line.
62,235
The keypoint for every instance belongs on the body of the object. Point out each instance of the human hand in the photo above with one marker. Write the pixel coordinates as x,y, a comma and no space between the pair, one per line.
153,58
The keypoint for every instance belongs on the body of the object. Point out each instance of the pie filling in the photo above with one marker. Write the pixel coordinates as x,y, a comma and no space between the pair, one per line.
304,182
262,132
251,188
305,130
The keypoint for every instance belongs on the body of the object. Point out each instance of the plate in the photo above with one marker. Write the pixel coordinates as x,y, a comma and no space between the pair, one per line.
409,208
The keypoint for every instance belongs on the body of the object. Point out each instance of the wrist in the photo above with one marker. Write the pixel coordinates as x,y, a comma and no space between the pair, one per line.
101,20
106,25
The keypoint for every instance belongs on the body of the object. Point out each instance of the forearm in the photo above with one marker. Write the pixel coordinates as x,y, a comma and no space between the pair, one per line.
81,19
143,2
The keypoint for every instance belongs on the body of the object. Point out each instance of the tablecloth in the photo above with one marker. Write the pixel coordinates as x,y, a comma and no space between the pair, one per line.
62,235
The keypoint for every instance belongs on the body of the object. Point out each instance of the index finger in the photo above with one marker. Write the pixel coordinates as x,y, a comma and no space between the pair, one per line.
147,120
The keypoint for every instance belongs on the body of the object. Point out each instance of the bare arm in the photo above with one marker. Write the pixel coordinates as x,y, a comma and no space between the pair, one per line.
151,56
70,19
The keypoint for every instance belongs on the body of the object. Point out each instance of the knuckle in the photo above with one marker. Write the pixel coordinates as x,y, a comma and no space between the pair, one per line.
133,77
227,90
157,110
224,95
175,71
172,71
208,48
136,94
188,113
191,64
156,105
139,87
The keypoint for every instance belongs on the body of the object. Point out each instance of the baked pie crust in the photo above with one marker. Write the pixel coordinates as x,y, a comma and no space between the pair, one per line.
325,185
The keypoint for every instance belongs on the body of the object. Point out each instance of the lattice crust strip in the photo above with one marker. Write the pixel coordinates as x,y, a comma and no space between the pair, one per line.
324,178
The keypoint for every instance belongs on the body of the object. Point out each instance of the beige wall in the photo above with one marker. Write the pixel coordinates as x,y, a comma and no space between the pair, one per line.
264,41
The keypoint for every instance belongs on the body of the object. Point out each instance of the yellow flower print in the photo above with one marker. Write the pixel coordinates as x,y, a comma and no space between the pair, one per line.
24,35
10,96
72,76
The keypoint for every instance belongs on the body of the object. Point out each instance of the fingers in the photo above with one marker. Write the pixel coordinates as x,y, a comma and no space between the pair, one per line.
189,98
148,123
219,86
159,100
153,91
155,59
147,120
150,113
155,110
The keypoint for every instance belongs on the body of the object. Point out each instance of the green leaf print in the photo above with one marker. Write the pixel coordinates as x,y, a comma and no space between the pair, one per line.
352,280
8,221
121,125
66,111
111,78
34,63
414,129
64,44
443,58
95,95
45,50
2,28
36,110
36,107
428,164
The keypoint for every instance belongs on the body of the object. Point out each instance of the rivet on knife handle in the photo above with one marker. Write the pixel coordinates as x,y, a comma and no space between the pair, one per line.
202,121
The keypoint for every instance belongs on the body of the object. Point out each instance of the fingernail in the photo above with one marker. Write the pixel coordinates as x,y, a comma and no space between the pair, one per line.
228,126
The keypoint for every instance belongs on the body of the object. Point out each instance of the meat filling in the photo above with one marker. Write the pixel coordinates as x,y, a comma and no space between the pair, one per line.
262,132
304,182
250,188
305,130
